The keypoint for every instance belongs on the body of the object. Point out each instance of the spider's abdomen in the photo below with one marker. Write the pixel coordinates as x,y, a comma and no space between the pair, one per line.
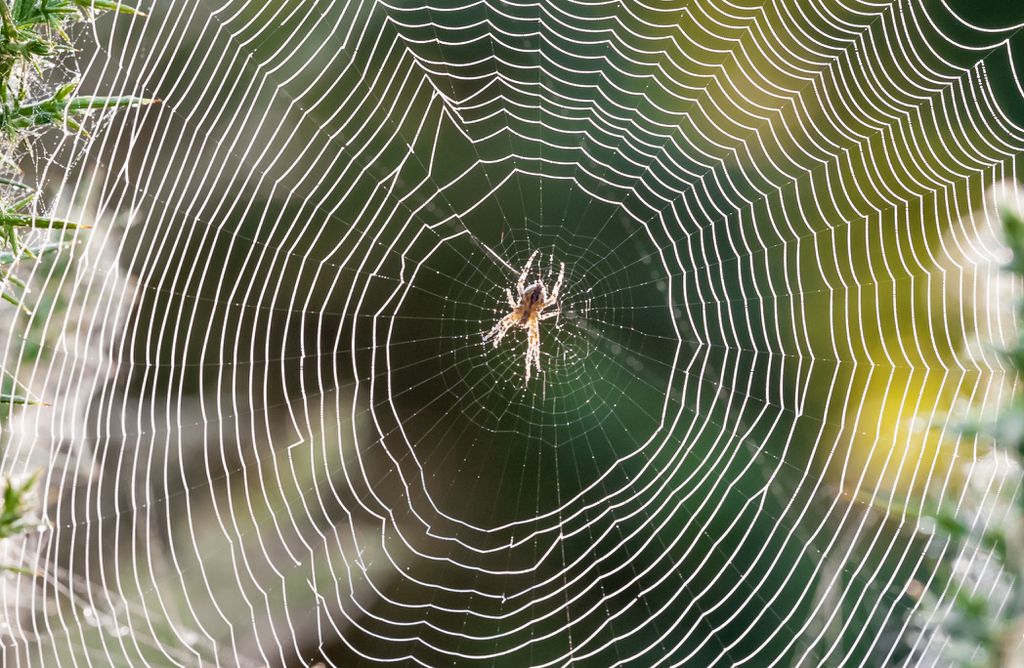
533,301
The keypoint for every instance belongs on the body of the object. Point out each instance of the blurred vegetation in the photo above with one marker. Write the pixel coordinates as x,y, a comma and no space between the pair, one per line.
15,513
972,592
34,95
33,34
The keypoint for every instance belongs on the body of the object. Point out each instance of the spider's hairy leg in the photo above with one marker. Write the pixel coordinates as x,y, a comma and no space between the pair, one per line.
500,329
550,314
533,347
521,283
511,299
558,284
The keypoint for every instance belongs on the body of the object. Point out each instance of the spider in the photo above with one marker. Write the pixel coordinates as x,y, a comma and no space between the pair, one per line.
527,312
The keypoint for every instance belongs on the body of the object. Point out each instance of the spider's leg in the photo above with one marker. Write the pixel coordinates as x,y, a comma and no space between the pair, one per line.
521,283
511,299
498,331
528,357
533,351
550,314
558,284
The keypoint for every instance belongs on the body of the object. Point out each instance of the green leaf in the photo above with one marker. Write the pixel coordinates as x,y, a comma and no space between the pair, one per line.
15,183
7,257
15,508
19,400
89,102
59,107
108,6
39,222
16,301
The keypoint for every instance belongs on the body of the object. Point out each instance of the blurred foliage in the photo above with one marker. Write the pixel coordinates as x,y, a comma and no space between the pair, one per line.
983,629
32,34
12,513
15,512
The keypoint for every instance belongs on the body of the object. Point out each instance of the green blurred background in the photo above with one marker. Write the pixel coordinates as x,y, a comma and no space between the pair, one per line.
775,220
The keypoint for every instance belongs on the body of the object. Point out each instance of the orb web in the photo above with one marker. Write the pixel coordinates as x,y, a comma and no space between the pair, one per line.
290,443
